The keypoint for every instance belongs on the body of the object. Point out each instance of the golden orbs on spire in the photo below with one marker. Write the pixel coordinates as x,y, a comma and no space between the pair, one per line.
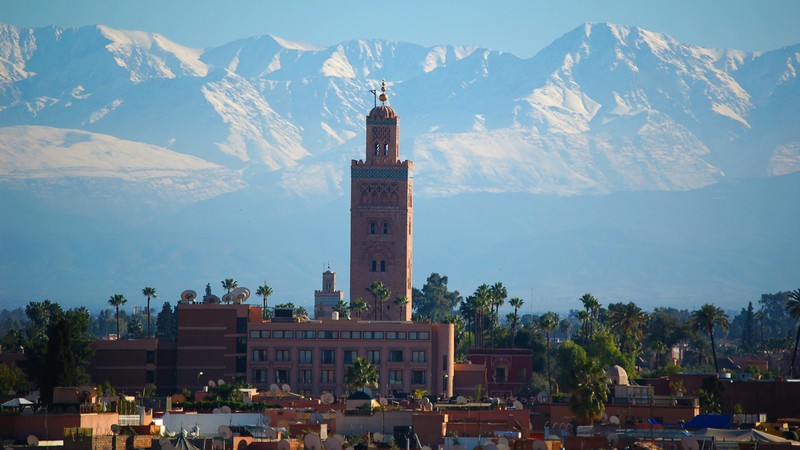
383,97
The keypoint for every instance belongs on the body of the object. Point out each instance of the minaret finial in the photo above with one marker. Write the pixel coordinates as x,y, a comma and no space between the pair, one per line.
383,97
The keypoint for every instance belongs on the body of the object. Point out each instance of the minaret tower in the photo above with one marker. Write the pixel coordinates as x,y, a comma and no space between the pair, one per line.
381,213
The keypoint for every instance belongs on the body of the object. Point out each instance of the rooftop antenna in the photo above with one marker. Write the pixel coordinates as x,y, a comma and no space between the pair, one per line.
375,97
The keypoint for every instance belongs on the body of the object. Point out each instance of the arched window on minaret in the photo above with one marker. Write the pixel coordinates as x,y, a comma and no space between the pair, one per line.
385,228
383,266
374,265
385,149
372,228
377,149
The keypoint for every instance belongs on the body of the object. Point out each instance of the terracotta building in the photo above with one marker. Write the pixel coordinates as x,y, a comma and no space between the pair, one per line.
381,213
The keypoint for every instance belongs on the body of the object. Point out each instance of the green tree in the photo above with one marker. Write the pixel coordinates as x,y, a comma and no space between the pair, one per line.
793,309
362,373
342,308
592,306
434,301
627,321
748,339
68,351
116,301
359,305
264,291
166,324
585,379
12,378
565,327
149,292
136,328
517,303
381,293
706,319
548,322
497,298
229,284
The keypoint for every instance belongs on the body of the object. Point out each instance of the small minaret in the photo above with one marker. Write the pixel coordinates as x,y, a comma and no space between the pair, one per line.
327,298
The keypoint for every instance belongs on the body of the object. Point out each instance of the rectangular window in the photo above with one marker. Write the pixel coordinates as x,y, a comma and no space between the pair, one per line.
283,334
395,356
402,335
328,356
259,355
150,376
418,356
306,334
391,335
395,377
259,376
281,355
327,334
241,324
350,356
241,364
417,377
255,334
327,377
304,357
281,376
241,345
374,356
151,357
304,377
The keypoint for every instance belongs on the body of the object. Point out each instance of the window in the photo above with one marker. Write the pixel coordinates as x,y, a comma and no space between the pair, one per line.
241,364
259,376
377,149
418,335
372,228
327,334
151,357
304,377
395,356
500,374
383,266
418,356
304,357
241,324
373,335
374,265
281,376
328,356
283,334
385,149
374,356
259,355
306,334
281,355
150,376
351,335
327,377
417,377
241,345
350,356
395,377
262,334
385,228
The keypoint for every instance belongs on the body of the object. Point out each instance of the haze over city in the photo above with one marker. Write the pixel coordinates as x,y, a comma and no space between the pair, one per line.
697,200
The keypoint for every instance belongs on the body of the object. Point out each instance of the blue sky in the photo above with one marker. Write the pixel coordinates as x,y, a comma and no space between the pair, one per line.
518,27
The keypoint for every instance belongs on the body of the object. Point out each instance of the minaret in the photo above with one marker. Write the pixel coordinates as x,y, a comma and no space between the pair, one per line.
381,213
325,300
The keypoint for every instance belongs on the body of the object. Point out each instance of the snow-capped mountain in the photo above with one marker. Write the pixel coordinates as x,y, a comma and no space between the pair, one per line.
98,126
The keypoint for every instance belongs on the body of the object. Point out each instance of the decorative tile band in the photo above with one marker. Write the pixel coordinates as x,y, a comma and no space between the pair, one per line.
382,173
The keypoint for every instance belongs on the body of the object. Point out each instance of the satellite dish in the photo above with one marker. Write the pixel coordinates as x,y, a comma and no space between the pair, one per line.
220,382
211,299
225,409
383,401
227,298
339,437
690,443
613,420
539,445
612,438
274,388
115,429
327,398
215,411
225,432
461,400
377,437
286,388
212,384
33,441
188,296
240,294
501,440
604,417
518,405
333,443
312,441
283,444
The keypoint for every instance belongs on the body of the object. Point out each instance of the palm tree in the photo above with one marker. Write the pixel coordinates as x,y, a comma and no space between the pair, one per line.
660,349
229,284
149,292
483,300
516,302
381,293
548,322
401,301
589,391
342,308
592,306
498,294
359,305
628,321
705,319
116,301
469,311
362,373
565,327
793,308
264,291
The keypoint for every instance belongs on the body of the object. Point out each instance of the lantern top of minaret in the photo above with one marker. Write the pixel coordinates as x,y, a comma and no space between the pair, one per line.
383,111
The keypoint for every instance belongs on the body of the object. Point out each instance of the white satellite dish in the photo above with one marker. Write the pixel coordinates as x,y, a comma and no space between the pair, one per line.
115,429
225,432
227,298
690,443
333,443
312,441
220,382
539,445
33,441
225,409
461,400
518,404
327,398
274,388
377,437
215,411
286,388
188,296
383,401
240,294
212,384
501,440
283,444
612,438
613,420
